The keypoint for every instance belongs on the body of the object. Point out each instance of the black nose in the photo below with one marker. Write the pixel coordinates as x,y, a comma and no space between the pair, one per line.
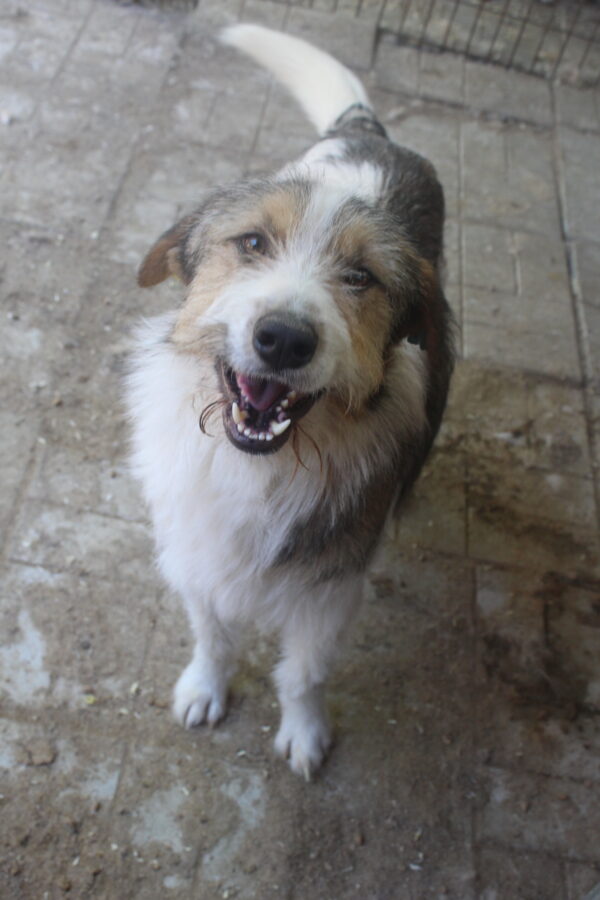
284,341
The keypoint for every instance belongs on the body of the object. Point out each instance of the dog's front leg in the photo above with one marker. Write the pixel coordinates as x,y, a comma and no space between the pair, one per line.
200,694
309,639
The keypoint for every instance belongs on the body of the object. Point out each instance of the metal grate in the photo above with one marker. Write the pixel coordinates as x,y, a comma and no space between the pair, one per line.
553,39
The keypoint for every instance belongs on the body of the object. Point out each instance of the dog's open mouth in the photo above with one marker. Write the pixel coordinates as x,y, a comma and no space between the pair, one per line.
261,414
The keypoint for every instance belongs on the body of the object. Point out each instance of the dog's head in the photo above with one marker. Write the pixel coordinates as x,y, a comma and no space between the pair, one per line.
297,290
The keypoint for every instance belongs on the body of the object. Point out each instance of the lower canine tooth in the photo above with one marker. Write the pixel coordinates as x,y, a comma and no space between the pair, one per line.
279,427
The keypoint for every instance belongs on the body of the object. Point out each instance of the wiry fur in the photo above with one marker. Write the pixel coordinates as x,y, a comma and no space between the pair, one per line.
282,539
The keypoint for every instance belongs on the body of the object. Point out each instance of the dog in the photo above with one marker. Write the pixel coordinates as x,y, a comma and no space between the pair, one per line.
284,411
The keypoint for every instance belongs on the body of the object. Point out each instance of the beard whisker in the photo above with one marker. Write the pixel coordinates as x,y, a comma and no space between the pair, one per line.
209,411
295,447
312,441
296,452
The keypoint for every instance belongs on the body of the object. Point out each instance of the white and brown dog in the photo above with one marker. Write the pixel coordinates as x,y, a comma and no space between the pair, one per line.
315,329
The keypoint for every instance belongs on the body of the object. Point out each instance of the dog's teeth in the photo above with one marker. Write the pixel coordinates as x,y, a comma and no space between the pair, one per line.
250,433
278,428
262,436
268,437
291,395
240,427
238,415
284,405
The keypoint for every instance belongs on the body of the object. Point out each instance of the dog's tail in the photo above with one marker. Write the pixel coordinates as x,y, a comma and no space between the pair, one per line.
324,87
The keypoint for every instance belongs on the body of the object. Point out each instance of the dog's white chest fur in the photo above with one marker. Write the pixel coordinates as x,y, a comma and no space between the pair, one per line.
217,524
220,516
207,500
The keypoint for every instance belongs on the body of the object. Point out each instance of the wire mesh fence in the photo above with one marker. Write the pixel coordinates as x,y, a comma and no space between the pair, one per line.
544,38
551,38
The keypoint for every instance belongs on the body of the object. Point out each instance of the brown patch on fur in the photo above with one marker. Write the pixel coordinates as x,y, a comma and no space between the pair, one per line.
367,314
280,212
368,317
369,332
276,214
357,244
218,267
430,294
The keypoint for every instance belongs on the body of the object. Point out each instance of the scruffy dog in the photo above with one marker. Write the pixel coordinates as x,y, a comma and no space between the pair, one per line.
314,348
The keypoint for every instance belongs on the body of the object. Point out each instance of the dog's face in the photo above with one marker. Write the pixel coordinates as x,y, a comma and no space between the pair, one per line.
296,290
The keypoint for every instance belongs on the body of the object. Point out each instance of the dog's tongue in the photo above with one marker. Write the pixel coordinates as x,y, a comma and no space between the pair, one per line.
261,393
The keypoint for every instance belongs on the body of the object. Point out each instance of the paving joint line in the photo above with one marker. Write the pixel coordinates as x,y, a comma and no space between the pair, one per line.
478,112
19,501
66,58
578,309
550,855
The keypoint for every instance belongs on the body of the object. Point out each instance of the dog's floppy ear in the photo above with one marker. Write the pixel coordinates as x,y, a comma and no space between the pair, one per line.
421,292
164,258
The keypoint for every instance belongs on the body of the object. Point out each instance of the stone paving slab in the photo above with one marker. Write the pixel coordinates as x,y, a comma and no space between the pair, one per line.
582,880
466,705
582,183
508,176
524,419
508,873
555,357
69,643
550,816
490,87
577,108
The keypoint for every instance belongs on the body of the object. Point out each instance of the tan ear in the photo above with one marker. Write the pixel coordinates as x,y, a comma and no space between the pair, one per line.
162,260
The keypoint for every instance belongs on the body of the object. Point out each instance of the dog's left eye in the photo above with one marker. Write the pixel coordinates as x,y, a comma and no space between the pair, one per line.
252,243
359,279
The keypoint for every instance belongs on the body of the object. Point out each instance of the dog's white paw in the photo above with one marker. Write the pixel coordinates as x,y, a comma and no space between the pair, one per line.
303,738
198,700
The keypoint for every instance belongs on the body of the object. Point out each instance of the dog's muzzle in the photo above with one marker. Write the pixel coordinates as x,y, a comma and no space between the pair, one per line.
262,410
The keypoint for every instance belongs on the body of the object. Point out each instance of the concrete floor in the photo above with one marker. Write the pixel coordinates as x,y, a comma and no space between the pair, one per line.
467,706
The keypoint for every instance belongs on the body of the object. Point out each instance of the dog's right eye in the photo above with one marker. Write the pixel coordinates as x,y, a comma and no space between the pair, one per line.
360,279
252,244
